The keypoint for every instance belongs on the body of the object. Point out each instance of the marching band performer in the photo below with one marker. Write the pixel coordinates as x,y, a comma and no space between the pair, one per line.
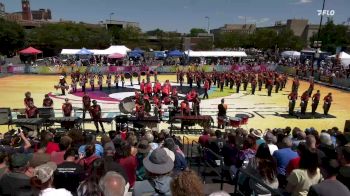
327,103
74,85
27,99
175,98
62,84
109,81
269,83
304,101
260,81
100,81
92,82
95,113
253,84
83,82
315,101
139,77
185,108
311,86
31,111
293,96
157,87
67,108
142,86
122,78
238,83
222,114
148,90
278,84
47,102
181,78
86,104
296,84
206,89
116,79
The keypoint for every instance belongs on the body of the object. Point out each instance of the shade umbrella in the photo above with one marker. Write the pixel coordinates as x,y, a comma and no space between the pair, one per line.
134,54
116,56
138,50
84,51
30,50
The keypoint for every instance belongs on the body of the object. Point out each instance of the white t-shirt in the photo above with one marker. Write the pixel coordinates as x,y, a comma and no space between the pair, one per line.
272,148
55,192
301,181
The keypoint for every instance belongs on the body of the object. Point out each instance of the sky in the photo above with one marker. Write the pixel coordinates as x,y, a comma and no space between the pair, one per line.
182,15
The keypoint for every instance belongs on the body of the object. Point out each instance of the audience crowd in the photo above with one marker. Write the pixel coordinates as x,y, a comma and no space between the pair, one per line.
127,162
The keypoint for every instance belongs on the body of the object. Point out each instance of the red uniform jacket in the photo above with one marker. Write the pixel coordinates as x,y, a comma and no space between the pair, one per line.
67,109
95,111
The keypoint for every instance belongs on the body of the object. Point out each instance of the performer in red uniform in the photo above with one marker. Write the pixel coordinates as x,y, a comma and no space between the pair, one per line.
269,85
47,102
296,84
293,96
27,99
100,81
74,85
142,86
92,82
95,113
311,86
206,89
67,108
157,87
62,84
109,81
32,111
253,84
86,104
116,80
83,82
304,101
185,108
149,89
327,103
315,101
175,98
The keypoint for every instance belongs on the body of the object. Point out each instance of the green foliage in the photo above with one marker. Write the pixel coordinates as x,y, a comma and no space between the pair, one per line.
12,37
195,31
286,40
130,36
53,37
332,36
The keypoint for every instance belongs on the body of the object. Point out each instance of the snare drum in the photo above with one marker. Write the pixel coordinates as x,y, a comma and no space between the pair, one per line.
244,118
221,120
235,122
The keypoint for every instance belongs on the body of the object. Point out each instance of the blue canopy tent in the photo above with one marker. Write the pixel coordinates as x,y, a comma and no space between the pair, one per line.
175,53
84,51
159,54
134,55
138,50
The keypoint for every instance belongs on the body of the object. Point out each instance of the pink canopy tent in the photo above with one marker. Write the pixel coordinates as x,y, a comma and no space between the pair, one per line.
116,56
31,51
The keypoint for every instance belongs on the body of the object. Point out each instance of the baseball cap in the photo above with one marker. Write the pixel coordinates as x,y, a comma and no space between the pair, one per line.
20,159
44,172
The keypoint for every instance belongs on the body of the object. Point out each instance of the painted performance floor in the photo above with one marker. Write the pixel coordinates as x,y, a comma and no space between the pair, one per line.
265,112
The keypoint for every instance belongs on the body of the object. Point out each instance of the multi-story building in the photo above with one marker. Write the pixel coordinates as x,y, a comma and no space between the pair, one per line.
240,28
41,14
26,13
120,24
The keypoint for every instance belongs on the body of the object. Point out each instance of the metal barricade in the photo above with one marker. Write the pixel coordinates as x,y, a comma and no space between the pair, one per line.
215,163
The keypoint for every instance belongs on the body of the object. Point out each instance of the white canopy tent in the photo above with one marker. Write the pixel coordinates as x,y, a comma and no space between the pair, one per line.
111,50
344,59
191,53
290,54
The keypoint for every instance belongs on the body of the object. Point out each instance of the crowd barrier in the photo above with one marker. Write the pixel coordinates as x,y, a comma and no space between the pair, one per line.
28,69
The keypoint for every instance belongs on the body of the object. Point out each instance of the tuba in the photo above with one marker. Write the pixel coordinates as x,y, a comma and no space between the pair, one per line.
127,75
143,73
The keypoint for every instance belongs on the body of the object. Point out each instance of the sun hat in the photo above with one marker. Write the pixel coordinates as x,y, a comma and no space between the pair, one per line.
44,172
269,137
143,147
158,162
170,153
325,138
257,133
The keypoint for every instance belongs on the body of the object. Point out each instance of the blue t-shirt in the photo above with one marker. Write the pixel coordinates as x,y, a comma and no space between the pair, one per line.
283,156
260,141
98,150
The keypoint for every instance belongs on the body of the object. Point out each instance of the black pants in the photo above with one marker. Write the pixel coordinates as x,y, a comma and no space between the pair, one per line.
303,107
63,90
277,88
291,107
231,85
326,108
96,122
205,94
83,88
314,107
310,91
100,87
260,86
122,84
269,90
253,90
221,87
245,85
237,88
191,83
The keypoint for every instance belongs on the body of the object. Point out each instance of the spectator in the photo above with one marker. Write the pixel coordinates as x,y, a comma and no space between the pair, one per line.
300,180
270,139
112,184
330,186
294,163
217,143
88,159
204,138
65,143
17,181
311,143
111,165
230,150
43,181
344,171
91,139
127,160
326,146
263,166
69,171
283,156
90,185
106,142
180,163
187,183
219,193
150,138
3,164
158,165
51,145
257,133
143,150
248,151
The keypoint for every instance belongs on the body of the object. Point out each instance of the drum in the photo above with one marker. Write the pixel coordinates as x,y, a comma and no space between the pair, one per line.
127,75
143,73
135,74
244,118
221,120
57,87
235,122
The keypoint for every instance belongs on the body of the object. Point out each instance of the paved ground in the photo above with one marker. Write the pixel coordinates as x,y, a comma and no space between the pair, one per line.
265,112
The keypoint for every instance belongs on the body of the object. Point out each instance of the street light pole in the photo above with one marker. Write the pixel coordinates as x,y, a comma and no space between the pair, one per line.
110,18
319,27
208,29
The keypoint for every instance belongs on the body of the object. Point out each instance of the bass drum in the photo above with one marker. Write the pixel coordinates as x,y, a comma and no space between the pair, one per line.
127,75
147,106
143,73
127,105
135,74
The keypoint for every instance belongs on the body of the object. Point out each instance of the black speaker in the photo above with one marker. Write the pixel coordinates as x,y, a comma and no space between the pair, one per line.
347,126
46,112
5,116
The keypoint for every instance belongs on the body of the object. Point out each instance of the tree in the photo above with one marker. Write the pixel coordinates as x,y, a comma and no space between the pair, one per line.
12,37
332,36
286,40
265,39
195,31
130,36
